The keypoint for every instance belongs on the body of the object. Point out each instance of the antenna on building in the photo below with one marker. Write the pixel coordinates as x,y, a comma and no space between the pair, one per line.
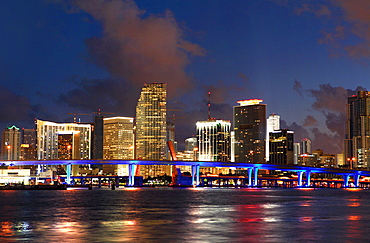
209,105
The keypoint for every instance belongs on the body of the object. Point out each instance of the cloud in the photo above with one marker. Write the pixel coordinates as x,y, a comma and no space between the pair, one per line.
331,102
349,23
298,87
14,108
140,47
109,95
310,121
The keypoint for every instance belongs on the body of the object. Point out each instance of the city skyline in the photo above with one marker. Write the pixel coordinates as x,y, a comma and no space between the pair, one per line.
302,59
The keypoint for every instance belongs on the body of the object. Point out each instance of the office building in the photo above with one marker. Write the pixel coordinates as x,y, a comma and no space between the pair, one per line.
357,137
306,146
282,147
273,124
214,140
118,142
151,137
47,134
191,143
98,131
11,143
28,144
250,131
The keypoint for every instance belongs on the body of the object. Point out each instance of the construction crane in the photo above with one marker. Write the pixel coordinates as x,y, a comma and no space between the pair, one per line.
99,112
77,114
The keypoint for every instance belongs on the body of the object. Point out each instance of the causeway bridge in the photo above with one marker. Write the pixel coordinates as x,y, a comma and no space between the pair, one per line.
303,172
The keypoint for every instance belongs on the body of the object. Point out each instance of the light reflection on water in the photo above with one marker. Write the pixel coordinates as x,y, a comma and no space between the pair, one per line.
186,215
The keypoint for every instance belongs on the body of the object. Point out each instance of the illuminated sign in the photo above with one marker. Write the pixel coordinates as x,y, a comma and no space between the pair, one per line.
249,102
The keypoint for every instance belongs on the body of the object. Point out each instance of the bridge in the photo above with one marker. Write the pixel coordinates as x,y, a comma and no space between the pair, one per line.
251,168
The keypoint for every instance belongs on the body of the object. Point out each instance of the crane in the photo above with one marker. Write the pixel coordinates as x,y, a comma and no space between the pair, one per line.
77,114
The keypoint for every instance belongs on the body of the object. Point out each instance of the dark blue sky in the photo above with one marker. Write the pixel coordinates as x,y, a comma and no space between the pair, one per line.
303,58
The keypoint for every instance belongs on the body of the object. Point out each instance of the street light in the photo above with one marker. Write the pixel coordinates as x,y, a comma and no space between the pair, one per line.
351,161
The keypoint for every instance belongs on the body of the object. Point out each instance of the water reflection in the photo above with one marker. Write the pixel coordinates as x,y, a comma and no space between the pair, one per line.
189,215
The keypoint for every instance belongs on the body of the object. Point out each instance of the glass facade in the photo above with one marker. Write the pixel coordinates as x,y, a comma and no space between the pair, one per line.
357,138
250,131
151,122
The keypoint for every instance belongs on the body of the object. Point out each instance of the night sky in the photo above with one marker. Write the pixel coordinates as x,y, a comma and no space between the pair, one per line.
303,58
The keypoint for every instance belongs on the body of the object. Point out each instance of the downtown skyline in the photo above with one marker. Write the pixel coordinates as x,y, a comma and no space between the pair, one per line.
302,59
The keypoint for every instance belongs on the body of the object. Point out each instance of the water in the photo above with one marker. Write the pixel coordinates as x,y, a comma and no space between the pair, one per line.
185,215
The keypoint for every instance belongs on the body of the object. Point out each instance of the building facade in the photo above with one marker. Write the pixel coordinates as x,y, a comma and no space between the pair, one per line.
47,138
118,142
11,143
357,137
282,147
151,122
273,124
250,131
306,146
214,140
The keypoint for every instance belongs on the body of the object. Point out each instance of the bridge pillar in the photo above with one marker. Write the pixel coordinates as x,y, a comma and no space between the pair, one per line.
250,170
131,175
255,177
195,175
300,176
99,182
356,178
117,181
345,180
69,172
308,178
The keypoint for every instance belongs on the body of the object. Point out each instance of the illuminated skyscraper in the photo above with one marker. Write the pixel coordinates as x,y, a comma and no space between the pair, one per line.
357,138
191,143
282,147
151,127
118,136
11,143
151,122
214,140
47,134
273,124
250,131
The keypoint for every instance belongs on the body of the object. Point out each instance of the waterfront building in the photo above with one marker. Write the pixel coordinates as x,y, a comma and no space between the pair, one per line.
151,136
281,147
357,137
297,152
250,131
306,146
118,143
11,143
69,145
118,136
47,138
191,144
214,140
98,133
273,124
28,144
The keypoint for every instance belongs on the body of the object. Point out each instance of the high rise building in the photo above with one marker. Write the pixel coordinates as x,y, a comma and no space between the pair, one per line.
28,144
282,147
47,138
273,124
191,143
250,131
357,137
151,122
11,143
98,130
214,140
306,146
151,137
118,138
